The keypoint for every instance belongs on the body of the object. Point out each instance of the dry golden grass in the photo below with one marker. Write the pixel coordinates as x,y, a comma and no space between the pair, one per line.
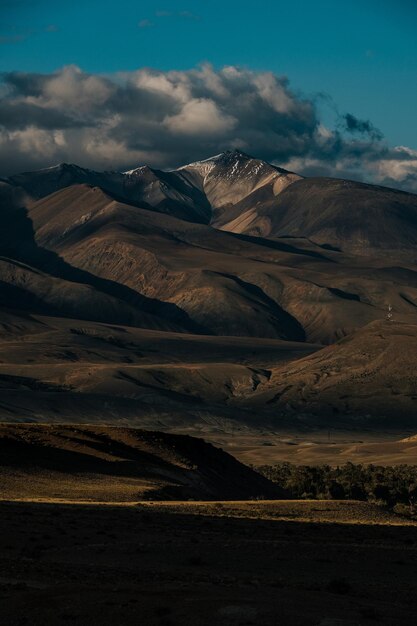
306,511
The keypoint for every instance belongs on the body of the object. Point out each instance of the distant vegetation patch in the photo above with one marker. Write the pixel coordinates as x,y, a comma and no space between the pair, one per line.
394,487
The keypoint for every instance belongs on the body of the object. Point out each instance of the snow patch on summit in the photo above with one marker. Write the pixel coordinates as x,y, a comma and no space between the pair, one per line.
230,165
203,167
136,171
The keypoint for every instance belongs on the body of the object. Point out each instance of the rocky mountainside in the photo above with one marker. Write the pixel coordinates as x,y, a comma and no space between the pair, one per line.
236,192
190,276
230,249
368,374
354,217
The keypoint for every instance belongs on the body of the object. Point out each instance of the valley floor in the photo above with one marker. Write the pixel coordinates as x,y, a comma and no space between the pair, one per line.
318,447
219,563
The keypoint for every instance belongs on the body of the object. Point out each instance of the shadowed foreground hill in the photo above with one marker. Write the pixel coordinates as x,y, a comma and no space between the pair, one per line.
118,464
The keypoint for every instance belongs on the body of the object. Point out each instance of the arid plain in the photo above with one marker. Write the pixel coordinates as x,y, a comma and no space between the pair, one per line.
270,315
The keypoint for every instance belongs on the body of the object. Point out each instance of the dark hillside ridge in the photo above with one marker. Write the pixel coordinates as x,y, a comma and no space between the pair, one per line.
170,466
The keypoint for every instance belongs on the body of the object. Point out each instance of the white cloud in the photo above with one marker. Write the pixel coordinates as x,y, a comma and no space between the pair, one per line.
165,118
399,168
273,92
200,117
76,90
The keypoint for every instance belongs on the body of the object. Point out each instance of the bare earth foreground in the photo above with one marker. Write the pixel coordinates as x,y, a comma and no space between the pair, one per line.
82,543
206,564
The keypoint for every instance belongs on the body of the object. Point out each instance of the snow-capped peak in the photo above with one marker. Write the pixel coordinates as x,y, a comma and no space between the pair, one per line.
136,170
205,166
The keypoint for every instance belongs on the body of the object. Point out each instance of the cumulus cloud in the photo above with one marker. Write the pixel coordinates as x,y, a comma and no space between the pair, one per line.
201,117
378,164
169,118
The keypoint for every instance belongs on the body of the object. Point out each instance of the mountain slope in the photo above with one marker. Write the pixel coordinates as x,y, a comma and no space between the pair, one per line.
214,282
37,279
358,218
41,183
201,192
233,257
28,288
161,258
228,178
235,192
225,284
56,369
367,376
155,189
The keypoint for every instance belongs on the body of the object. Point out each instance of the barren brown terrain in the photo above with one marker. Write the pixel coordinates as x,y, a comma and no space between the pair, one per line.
157,298
226,297
115,525
370,373
56,369
318,564
269,315
332,447
87,535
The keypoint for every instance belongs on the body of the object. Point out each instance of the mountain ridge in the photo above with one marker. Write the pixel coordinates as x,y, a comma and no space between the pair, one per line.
235,192
230,250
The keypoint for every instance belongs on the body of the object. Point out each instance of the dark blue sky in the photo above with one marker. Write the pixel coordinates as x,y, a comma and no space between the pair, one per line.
363,54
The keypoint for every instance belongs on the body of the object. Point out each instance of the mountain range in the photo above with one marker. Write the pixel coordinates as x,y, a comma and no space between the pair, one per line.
228,287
